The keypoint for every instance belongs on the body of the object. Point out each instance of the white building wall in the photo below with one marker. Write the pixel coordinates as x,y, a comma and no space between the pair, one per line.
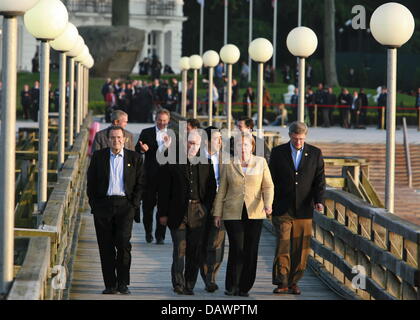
171,26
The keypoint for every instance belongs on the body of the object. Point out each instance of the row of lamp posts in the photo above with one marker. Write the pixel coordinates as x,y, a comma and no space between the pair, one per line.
47,21
301,42
392,25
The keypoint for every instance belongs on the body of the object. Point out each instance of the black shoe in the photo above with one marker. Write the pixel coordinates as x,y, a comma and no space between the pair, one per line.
243,294
232,292
160,241
149,237
123,289
188,292
212,287
179,290
110,291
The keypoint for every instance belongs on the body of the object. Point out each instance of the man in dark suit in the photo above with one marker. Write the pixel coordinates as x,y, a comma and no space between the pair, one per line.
214,238
364,103
151,141
330,101
382,102
186,195
356,109
297,170
114,190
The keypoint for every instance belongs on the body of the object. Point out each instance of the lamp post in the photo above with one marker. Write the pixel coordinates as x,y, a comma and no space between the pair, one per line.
260,50
63,43
210,60
45,21
9,9
392,25
88,64
77,49
302,42
79,78
229,54
184,65
195,63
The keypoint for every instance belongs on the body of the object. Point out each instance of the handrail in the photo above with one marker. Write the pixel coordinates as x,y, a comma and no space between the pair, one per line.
353,234
407,154
59,222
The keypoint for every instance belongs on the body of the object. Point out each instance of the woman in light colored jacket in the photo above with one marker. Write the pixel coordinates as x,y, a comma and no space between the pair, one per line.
244,199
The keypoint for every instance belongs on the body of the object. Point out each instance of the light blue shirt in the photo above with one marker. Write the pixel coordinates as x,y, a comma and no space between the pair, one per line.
296,155
116,174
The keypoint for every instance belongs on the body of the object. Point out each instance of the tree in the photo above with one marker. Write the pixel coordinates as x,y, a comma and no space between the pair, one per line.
120,12
330,68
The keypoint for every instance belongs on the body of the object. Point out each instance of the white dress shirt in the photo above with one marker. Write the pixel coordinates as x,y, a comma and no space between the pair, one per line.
215,161
159,138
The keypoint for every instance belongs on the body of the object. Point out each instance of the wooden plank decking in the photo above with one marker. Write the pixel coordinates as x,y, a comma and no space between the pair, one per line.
150,272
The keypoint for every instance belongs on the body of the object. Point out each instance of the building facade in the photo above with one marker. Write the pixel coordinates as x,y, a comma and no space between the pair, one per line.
161,20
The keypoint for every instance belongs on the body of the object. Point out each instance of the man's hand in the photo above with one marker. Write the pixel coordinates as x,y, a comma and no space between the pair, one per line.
268,212
319,207
163,221
143,147
167,140
218,222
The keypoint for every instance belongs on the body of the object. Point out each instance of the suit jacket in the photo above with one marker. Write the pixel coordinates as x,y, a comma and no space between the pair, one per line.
151,166
173,191
296,191
98,178
255,189
101,140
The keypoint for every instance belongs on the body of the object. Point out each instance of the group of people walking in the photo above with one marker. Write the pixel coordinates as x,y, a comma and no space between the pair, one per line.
205,185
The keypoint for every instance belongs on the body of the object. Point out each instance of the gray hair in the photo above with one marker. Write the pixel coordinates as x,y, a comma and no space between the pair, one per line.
117,115
298,128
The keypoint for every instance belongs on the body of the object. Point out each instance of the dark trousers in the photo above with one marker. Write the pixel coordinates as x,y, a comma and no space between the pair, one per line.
149,202
326,117
355,115
187,241
346,116
113,228
244,237
212,252
292,250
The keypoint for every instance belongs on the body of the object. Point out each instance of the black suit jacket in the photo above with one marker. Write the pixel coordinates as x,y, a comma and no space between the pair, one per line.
98,178
173,191
151,166
296,191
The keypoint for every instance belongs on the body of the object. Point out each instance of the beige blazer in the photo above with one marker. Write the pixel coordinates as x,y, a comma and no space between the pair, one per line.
255,188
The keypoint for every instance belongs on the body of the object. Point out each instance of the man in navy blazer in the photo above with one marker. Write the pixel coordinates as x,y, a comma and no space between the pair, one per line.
297,170
114,188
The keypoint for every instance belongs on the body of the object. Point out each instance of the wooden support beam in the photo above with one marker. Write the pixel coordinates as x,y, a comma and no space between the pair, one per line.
24,232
